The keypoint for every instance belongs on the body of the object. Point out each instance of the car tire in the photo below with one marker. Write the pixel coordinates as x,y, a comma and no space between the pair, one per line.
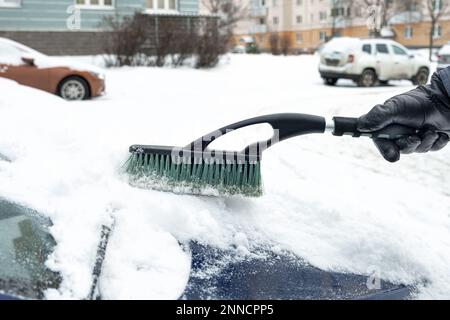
74,89
421,78
367,79
330,81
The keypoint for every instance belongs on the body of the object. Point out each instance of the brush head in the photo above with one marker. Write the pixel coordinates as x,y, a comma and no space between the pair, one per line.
209,172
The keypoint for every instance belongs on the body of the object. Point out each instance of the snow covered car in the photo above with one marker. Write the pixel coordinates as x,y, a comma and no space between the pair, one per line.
368,61
215,273
71,81
239,49
444,57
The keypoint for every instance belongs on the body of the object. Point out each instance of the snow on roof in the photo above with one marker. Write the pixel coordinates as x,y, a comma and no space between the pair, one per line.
341,43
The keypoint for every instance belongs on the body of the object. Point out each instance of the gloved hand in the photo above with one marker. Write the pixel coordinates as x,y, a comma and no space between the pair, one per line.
426,108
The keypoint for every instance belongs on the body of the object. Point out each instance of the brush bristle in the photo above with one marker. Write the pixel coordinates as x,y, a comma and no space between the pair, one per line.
163,172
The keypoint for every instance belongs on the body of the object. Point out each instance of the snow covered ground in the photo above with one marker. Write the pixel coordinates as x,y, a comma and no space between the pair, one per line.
332,201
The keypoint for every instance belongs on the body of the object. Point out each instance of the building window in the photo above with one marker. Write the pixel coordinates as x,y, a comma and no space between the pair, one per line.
299,38
338,12
275,20
322,36
322,15
408,32
10,3
299,2
437,32
155,5
95,4
274,3
299,19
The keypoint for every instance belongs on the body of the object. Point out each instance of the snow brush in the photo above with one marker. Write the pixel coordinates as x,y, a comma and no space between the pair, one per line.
195,169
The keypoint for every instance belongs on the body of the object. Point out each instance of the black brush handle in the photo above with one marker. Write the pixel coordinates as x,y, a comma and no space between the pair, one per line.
349,126
288,125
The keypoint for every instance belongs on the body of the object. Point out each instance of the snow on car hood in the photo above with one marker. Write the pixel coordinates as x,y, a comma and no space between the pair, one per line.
53,62
332,201
43,61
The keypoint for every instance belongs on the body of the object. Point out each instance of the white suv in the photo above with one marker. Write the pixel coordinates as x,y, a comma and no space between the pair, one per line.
367,61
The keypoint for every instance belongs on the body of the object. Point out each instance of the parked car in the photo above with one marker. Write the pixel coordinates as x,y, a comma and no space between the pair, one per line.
249,48
238,49
444,57
368,61
70,80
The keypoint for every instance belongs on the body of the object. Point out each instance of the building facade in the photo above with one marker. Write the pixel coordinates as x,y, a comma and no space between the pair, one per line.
309,23
74,26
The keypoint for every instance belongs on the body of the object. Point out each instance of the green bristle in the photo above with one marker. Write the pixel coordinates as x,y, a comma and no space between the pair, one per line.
162,172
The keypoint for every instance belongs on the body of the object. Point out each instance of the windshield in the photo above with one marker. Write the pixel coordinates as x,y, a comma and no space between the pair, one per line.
24,248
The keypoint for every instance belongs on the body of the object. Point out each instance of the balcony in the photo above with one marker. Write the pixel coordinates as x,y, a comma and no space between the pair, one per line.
258,28
258,12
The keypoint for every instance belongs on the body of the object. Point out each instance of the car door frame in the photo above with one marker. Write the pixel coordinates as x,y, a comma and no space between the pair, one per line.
403,64
384,62
29,75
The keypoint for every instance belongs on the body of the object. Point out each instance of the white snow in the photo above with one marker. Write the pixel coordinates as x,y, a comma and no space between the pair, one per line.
332,201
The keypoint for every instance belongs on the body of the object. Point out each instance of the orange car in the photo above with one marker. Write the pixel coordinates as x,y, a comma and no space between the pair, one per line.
71,81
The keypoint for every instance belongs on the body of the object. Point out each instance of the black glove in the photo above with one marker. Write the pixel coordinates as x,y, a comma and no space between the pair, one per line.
426,108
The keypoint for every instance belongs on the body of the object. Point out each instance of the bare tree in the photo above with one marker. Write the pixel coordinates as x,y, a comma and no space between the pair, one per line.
274,43
436,9
217,34
229,11
124,39
285,44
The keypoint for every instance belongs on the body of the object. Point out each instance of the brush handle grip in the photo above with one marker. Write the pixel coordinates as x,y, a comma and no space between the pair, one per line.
288,125
349,126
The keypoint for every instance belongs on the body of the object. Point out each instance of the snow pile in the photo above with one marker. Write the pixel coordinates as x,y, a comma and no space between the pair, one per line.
332,201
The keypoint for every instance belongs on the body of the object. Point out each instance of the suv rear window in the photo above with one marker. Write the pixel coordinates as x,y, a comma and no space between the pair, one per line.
382,48
367,48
